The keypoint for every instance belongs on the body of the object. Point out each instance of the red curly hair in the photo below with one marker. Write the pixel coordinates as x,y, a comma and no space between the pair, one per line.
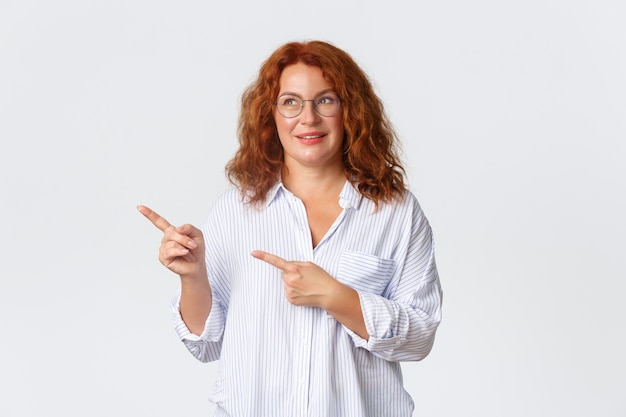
370,147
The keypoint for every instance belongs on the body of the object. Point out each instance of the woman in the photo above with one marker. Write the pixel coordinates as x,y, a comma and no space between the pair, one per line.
315,276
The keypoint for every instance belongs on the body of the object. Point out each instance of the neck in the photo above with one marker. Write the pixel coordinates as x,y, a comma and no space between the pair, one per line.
313,183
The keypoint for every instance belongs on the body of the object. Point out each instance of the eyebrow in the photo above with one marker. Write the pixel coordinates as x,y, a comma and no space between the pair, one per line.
289,93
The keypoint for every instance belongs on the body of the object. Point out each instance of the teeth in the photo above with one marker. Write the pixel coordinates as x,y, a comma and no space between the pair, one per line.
311,137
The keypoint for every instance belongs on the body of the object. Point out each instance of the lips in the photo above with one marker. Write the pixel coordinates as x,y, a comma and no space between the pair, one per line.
311,135
311,138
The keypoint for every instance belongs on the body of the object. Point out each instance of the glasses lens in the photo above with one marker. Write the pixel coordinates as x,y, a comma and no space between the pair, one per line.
291,106
327,105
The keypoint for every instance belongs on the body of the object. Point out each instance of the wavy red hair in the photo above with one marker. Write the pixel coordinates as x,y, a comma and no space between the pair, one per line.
370,148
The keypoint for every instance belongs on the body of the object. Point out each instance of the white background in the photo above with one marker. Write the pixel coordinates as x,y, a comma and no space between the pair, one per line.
512,117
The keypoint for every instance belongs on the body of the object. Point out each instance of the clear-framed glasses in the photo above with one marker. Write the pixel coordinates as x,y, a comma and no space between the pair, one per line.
326,105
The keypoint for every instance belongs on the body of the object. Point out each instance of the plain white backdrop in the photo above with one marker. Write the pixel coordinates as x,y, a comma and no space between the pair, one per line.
512,117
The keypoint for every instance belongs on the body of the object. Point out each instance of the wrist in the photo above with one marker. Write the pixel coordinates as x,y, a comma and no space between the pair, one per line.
196,276
334,296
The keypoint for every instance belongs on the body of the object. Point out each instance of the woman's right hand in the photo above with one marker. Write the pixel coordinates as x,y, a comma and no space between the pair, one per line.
182,248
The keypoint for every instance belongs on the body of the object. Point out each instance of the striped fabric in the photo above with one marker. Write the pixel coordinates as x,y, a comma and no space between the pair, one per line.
277,359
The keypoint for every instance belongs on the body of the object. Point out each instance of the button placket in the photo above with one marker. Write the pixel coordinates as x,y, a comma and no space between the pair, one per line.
302,338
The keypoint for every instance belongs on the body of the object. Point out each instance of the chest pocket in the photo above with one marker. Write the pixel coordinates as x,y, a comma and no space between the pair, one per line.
365,272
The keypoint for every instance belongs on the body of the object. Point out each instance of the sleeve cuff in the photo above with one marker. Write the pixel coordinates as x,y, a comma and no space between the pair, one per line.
381,322
212,327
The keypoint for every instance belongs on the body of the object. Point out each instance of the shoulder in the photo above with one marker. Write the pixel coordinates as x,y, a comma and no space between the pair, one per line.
407,210
225,204
232,196
410,200
233,204
404,202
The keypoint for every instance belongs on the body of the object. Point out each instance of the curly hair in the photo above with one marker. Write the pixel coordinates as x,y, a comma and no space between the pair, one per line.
370,146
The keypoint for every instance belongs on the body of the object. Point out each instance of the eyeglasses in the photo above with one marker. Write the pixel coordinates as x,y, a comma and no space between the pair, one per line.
326,105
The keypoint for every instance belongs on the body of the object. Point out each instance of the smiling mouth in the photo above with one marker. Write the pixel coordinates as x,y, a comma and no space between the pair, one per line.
310,137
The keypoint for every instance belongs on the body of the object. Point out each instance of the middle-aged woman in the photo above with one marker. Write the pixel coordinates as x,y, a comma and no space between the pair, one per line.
315,275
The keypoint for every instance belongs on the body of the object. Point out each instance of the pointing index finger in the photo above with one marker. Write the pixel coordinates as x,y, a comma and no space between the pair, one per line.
154,218
273,260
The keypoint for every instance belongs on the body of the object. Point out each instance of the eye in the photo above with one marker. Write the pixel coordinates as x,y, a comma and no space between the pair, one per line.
327,99
289,101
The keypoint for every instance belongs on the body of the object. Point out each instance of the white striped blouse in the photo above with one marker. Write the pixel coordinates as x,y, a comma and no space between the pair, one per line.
277,359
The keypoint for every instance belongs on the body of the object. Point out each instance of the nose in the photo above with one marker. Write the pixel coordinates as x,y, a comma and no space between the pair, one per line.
309,114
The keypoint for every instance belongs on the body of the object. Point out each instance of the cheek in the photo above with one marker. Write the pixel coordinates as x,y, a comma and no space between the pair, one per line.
283,125
339,128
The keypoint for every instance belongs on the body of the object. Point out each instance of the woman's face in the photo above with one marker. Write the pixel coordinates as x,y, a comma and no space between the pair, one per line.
309,139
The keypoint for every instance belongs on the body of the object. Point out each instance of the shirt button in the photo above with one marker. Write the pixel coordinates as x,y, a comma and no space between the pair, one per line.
398,342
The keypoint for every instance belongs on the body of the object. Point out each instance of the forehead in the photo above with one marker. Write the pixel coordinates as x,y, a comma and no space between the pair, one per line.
302,79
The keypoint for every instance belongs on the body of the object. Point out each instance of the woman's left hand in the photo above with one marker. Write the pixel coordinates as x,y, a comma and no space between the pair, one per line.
306,284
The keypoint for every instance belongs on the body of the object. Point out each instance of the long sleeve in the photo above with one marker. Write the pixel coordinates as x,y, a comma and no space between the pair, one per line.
402,322
207,346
